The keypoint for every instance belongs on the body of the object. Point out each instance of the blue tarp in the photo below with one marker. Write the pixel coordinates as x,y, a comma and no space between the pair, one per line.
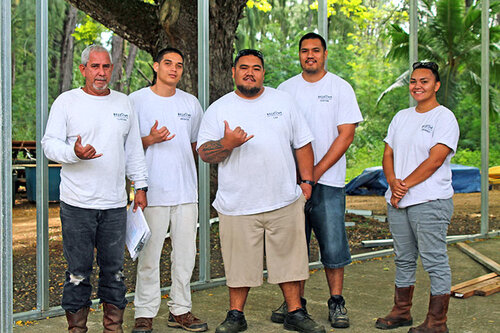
371,181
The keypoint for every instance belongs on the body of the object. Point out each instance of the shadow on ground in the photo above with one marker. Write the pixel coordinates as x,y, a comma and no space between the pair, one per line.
368,290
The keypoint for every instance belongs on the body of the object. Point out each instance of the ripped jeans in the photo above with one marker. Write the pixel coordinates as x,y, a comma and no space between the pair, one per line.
86,229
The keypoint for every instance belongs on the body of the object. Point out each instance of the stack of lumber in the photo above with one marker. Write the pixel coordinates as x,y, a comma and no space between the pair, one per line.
483,285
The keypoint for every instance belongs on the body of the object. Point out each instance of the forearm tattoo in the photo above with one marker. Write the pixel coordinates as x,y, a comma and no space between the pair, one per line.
213,152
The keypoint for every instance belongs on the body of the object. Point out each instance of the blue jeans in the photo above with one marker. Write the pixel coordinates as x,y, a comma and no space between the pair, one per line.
325,214
421,229
86,229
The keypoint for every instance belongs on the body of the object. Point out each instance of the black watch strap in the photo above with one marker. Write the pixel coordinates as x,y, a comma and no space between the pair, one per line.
145,189
310,182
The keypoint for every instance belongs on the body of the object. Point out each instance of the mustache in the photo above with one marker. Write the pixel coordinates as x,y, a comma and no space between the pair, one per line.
249,77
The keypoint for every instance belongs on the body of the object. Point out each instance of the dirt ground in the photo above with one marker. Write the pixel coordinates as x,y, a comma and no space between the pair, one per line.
465,204
466,220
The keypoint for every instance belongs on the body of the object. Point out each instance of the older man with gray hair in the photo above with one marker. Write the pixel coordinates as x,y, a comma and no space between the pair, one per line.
93,132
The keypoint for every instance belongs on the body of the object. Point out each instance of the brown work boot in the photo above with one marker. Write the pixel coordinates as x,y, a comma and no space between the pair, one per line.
143,325
435,322
77,321
112,319
400,313
187,321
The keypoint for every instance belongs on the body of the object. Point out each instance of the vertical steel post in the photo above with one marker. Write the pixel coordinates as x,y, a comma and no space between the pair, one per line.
413,42
323,23
42,193
204,168
6,294
485,113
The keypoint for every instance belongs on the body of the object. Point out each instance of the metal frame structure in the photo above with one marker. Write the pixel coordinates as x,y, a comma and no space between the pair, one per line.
485,113
204,168
42,168
6,292
43,310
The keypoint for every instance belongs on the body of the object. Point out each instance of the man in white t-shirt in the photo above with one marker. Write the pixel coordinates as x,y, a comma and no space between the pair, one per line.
252,134
169,119
329,105
93,132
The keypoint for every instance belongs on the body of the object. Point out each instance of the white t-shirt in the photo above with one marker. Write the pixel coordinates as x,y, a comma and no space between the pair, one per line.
109,124
411,136
171,166
258,176
325,104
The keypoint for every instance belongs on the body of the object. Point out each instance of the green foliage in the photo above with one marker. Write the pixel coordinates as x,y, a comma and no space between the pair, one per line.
473,157
89,31
451,37
360,158
24,63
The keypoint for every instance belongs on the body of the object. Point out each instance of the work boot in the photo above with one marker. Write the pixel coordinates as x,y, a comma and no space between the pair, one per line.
77,321
400,314
112,319
187,321
234,322
300,321
435,322
143,325
337,313
278,315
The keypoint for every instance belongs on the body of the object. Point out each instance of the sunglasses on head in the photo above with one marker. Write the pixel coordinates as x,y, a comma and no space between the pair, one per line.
426,64
247,52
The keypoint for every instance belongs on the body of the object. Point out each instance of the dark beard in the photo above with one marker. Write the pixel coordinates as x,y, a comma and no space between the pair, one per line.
249,92
310,71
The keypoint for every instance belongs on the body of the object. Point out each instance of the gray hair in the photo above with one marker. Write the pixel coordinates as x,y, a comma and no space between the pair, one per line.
93,48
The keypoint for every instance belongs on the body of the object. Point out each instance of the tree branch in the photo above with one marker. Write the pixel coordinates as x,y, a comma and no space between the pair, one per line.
134,20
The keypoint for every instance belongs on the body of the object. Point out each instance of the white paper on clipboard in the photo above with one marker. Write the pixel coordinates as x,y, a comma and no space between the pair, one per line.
138,232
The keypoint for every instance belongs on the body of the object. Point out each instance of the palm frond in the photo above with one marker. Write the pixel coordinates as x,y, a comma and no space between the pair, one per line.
401,81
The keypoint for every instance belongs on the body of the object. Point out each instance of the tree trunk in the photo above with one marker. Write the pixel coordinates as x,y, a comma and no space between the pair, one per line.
174,23
67,48
129,64
117,49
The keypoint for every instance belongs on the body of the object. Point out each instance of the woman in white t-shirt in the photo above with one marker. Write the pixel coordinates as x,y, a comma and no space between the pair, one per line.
420,143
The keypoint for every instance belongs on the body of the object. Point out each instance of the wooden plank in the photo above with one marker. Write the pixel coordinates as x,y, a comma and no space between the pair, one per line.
473,281
470,290
489,289
482,259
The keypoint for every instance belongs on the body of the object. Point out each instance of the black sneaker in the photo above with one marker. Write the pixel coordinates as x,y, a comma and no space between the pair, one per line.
278,315
234,322
337,313
300,321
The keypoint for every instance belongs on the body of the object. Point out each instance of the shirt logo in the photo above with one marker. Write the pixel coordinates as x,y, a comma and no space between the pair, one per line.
427,128
274,115
120,116
184,116
325,98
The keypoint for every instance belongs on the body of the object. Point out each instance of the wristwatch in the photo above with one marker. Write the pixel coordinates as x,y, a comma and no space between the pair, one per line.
310,182
145,189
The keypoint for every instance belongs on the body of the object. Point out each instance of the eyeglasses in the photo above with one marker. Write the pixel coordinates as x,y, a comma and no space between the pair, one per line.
426,64
247,52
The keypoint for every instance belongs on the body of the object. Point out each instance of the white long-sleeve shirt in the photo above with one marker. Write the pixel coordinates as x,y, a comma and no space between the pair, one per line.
109,124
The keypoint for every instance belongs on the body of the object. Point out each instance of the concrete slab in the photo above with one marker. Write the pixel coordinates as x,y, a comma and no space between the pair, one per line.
368,290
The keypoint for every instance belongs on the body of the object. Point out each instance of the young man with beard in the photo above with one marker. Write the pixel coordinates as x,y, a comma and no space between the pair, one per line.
92,131
329,105
169,119
252,134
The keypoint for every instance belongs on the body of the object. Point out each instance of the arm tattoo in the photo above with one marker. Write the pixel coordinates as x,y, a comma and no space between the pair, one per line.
213,152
